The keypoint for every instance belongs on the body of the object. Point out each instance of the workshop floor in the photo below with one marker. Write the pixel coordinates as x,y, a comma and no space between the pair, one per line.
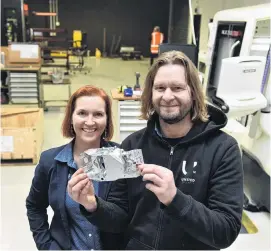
16,180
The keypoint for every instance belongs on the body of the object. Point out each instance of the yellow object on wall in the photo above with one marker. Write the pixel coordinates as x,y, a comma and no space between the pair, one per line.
77,36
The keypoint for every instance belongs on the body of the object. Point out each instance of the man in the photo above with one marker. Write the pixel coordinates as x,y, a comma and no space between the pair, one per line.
157,38
191,193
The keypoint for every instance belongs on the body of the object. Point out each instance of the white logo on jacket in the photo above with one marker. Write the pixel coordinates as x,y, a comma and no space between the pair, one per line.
188,179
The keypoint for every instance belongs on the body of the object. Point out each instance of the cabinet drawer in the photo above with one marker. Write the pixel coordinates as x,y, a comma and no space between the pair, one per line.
23,80
23,85
23,95
22,75
129,103
26,100
125,120
23,90
129,114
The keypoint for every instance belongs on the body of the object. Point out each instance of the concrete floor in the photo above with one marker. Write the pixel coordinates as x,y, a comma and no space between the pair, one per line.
16,180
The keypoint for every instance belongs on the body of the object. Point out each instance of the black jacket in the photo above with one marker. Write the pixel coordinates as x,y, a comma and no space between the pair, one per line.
49,188
206,211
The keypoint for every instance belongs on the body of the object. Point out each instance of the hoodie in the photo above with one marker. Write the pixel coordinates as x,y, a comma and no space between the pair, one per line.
207,208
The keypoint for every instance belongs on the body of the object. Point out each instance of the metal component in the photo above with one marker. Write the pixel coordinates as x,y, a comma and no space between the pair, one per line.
137,85
108,164
23,21
112,45
117,45
104,43
192,22
50,10
44,14
53,17
233,47
170,20
57,20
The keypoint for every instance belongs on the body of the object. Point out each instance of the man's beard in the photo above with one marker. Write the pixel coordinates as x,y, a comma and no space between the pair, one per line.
176,117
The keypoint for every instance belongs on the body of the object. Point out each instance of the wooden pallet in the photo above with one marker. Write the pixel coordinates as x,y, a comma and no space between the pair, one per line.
18,162
21,135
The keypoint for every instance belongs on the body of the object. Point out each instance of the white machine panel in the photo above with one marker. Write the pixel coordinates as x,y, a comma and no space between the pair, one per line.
241,77
240,82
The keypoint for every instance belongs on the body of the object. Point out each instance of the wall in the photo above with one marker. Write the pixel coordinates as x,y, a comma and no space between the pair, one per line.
11,4
208,8
38,6
132,19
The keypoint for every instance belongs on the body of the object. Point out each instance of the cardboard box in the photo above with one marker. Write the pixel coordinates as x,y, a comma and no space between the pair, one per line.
21,134
4,49
22,53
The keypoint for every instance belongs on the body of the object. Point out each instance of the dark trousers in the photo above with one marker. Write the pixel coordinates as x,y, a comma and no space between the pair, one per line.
152,57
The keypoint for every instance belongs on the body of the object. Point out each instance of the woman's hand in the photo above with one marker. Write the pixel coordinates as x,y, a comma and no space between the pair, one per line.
81,190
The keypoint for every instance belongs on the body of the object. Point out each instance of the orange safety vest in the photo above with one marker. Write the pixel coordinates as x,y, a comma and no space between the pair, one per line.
156,39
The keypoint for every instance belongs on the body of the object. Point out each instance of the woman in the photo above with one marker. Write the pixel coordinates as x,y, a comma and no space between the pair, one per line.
88,121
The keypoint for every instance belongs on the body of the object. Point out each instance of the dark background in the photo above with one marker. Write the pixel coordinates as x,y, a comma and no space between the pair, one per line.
10,4
132,19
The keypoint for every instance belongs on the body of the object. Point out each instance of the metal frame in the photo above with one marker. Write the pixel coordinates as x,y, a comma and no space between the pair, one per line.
23,21
43,102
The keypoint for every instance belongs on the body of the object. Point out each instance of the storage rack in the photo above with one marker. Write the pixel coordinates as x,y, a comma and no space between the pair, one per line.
23,85
129,122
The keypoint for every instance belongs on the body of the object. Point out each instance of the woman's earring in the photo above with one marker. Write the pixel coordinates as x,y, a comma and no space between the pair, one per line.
72,130
105,134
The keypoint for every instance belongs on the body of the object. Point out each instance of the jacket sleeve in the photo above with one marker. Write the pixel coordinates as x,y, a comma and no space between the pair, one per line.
36,204
112,215
217,224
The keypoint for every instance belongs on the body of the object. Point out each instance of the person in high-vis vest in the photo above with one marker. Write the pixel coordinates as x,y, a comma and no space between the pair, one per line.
157,38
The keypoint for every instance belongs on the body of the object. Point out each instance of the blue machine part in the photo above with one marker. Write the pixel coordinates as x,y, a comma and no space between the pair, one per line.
128,92
266,72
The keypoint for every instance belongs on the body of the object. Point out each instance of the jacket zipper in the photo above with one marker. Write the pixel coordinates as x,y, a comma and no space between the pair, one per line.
171,152
161,214
170,157
172,148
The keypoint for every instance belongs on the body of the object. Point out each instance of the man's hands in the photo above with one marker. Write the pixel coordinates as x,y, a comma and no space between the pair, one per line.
163,184
81,190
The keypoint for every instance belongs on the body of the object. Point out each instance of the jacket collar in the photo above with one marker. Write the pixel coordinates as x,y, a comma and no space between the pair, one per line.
158,129
217,120
66,154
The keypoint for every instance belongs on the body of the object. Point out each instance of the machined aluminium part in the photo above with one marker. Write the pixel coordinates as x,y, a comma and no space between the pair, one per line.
108,164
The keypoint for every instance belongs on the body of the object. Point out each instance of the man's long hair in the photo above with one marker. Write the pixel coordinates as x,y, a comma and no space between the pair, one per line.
199,108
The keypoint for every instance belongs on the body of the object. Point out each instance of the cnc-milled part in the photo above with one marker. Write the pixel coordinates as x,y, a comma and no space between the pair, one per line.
108,164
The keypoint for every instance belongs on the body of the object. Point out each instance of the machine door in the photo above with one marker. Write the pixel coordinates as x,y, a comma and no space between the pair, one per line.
228,42
261,39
